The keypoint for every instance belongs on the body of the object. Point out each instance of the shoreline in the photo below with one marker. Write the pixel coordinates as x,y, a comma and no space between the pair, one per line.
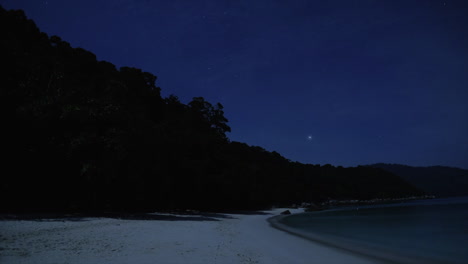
359,248
220,238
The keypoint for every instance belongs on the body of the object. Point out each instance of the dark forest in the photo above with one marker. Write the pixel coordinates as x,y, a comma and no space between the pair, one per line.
81,135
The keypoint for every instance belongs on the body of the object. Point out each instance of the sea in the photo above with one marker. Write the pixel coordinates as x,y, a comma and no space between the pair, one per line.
418,231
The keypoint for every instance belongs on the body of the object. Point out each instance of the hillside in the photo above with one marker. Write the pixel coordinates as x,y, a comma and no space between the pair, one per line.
81,135
437,180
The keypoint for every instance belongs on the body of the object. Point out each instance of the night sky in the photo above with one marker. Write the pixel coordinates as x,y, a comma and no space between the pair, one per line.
340,82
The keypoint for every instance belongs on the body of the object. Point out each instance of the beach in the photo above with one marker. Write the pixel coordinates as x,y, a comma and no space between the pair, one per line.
171,238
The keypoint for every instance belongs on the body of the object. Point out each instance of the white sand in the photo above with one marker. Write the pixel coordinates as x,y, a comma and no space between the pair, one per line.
232,239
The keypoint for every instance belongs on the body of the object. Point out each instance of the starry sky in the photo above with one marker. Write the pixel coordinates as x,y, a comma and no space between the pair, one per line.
323,82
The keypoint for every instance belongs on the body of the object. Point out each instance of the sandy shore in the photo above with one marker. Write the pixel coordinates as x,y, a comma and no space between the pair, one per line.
208,238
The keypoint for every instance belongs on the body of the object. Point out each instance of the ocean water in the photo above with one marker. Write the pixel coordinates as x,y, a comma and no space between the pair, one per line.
434,230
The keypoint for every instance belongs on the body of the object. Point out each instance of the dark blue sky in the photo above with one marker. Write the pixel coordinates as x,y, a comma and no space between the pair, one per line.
340,82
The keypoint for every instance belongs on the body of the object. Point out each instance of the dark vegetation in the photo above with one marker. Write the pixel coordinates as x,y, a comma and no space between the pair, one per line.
81,135
436,180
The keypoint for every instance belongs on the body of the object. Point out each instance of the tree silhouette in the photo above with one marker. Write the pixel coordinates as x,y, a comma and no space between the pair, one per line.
81,135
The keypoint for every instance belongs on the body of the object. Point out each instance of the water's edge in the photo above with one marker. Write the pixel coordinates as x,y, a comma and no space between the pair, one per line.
376,253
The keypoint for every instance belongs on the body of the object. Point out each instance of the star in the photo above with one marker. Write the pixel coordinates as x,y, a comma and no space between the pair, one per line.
309,137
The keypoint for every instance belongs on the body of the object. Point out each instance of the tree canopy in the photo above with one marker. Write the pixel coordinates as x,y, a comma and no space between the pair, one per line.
79,134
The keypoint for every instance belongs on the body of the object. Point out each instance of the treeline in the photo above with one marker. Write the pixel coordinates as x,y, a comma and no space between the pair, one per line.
79,134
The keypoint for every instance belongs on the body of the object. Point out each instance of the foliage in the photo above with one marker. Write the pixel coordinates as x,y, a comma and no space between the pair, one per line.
80,134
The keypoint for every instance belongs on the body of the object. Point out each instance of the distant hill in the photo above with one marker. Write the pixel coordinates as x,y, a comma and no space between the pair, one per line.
437,180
